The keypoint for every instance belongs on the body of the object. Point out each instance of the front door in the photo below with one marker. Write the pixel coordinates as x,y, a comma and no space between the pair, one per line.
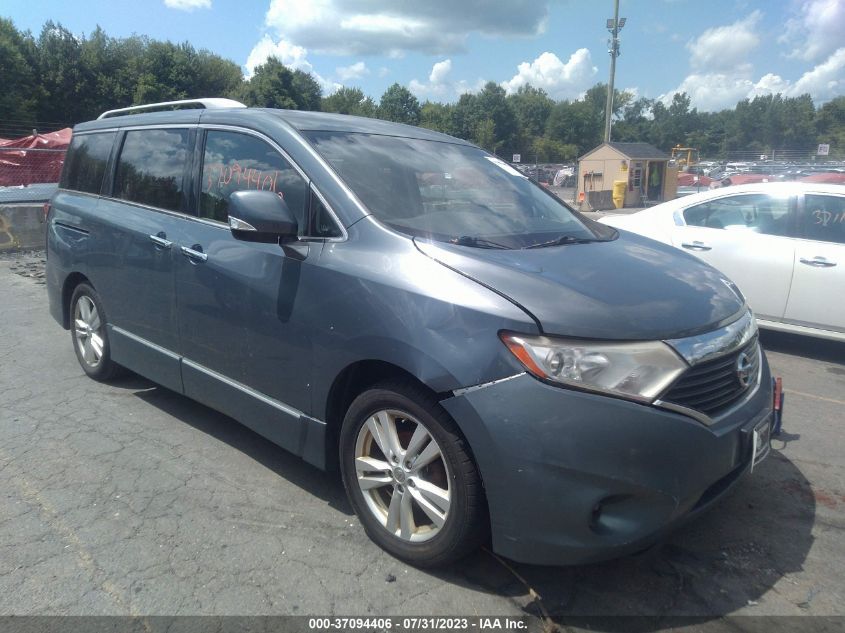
244,350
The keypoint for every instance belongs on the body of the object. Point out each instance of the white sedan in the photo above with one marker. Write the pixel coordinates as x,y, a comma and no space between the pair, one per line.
783,244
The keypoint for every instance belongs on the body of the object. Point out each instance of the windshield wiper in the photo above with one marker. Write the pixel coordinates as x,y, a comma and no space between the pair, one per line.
563,239
477,242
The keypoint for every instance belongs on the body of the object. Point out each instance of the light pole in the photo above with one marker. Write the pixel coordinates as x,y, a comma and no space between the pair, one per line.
614,25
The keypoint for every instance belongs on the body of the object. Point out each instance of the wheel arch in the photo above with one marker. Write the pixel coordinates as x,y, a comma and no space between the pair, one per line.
352,381
69,285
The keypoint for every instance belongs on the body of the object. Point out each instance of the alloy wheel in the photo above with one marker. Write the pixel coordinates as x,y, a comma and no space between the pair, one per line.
403,475
87,327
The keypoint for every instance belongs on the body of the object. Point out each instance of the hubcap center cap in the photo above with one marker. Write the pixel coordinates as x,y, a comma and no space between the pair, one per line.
399,475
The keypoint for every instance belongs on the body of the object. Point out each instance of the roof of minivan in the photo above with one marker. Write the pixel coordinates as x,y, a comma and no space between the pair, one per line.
298,119
304,120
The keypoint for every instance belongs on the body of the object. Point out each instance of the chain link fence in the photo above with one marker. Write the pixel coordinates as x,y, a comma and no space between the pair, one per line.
31,160
19,166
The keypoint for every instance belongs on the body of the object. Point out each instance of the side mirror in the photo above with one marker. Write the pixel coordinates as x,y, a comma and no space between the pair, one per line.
260,216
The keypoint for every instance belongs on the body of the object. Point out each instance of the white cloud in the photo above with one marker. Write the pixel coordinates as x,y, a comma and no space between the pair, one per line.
560,80
391,27
817,30
634,91
722,75
825,81
770,84
420,89
724,48
291,55
384,71
354,71
440,71
295,15
715,91
381,23
465,86
441,86
711,91
187,5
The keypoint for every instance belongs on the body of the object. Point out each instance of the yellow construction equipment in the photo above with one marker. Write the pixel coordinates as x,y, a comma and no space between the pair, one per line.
685,156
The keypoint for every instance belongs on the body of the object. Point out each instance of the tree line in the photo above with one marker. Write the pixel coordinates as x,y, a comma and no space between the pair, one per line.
58,79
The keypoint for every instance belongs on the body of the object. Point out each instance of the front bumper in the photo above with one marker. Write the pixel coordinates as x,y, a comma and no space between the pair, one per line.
573,477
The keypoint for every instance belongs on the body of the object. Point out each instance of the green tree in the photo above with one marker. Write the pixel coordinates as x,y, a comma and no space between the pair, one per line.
575,123
484,134
437,116
830,126
349,101
274,85
216,76
547,150
465,115
532,107
635,123
167,71
62,78
492,104
19,95
306,91
65,82
398,104
799,131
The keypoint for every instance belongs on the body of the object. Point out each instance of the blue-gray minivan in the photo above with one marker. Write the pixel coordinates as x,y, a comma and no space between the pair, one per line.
477,359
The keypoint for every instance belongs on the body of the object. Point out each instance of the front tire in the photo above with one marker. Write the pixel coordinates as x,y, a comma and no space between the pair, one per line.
409,476
90,335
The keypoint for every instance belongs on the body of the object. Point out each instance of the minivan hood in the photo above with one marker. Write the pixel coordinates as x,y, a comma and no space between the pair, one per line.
628,288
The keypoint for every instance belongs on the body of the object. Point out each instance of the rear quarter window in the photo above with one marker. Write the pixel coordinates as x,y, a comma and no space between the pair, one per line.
86,161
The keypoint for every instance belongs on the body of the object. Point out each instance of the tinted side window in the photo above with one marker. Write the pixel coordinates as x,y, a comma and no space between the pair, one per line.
234,162
824,218
759,213
151,167
86,161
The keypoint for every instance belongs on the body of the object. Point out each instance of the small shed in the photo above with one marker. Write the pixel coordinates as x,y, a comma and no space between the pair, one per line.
649,176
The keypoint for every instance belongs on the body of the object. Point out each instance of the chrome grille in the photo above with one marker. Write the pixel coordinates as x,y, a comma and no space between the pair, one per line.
713,386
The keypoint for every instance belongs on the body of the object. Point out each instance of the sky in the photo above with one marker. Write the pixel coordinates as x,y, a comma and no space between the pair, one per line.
717,51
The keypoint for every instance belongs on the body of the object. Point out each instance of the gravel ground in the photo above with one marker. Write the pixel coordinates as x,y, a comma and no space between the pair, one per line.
28,264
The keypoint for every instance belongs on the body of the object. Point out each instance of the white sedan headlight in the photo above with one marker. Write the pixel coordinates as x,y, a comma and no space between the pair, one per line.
638,371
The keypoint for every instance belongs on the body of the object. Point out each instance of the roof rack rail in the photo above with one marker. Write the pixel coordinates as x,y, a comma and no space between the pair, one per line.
196,103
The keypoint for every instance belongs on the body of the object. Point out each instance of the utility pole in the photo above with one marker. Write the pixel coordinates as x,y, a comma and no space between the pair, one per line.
614,25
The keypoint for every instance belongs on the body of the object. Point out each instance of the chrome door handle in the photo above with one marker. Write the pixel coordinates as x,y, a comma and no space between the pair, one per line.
696,246
159,240
818,262
193,254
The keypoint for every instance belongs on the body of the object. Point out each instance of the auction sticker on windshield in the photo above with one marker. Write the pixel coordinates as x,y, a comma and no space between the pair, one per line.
503,165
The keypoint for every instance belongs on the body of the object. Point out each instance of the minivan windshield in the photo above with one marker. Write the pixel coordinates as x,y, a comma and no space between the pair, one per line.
451,192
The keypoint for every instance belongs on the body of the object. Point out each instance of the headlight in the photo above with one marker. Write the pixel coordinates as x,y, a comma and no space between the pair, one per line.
639,371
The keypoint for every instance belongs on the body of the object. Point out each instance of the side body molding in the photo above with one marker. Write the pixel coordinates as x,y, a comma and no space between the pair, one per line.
280,423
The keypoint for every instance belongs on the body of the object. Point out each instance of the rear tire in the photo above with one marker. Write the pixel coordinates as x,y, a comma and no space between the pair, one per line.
90,335
410,477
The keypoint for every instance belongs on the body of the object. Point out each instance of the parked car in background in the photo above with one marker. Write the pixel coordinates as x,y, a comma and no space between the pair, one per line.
475,357
782,243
